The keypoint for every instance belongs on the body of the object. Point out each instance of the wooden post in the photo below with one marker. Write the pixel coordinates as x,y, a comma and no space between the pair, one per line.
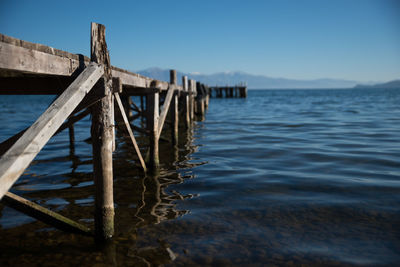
102,135
192,102
153,113
207,97
174,109
142,109
186,112
200,100
128,128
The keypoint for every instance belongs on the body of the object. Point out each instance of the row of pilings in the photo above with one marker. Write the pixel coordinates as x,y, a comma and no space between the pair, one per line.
89,86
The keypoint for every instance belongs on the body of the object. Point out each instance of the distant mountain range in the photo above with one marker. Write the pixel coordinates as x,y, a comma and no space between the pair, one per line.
253,81
388,85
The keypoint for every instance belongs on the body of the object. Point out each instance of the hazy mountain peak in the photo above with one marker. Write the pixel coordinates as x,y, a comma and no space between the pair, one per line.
253,81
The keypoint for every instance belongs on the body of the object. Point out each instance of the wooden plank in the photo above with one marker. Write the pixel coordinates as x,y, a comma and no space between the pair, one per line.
136,108
136,80
72,120
165,108
45,215
140,130
21,154
28,60
41,48
127,125
21,56
102,139
138,91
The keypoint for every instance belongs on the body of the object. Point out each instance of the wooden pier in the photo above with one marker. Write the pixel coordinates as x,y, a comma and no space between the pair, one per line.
90,86
228,91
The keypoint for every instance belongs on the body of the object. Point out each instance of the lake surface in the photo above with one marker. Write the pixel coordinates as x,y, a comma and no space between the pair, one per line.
284,177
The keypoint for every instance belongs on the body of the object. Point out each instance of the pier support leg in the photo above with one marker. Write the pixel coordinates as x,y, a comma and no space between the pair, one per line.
174,110
200,99
102,139
153,113
142,109
186,112
175,119
192,90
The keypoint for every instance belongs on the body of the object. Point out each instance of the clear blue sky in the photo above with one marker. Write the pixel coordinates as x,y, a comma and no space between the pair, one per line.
348,39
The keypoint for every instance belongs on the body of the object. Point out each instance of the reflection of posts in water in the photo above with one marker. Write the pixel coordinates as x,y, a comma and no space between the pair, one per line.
155,205
71,139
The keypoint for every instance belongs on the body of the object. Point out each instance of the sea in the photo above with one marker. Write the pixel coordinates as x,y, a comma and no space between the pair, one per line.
280,178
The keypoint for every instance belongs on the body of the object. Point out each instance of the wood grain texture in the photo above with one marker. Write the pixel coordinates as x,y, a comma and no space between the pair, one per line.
21,154
102,139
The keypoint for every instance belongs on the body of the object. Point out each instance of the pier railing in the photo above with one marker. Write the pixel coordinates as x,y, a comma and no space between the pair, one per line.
88,86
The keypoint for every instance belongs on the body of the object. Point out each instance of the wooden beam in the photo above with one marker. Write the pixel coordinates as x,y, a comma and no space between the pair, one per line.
174,110
192,93
72,120
136,108
18,57
135,80
21,154
140,130
138,91
45,215
165,108
34,85
22,59
102,139
128,128
186,111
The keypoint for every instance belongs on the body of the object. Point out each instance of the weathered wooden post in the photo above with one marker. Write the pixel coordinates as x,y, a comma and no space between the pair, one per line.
102,138
142,109
153,114
186,112
192,90
200,100
174,109
207,97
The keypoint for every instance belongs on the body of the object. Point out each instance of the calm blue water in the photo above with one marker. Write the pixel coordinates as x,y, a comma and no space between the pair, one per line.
284,177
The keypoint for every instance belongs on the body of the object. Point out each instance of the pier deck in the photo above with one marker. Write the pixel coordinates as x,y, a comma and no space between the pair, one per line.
88,86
